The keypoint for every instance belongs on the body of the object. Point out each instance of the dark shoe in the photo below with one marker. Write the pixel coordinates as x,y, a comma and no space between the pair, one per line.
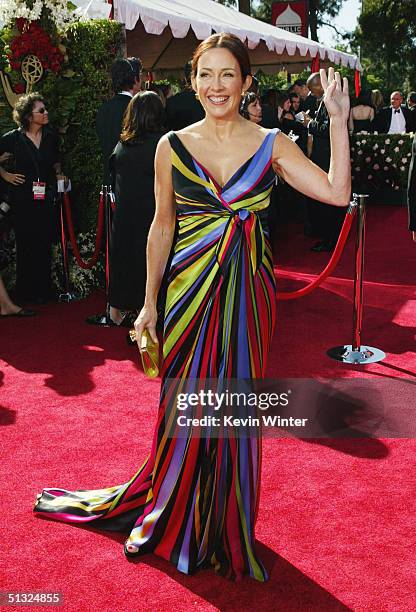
23,312
322,247
127,320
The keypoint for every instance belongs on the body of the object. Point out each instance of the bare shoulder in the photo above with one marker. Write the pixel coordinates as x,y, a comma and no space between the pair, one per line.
254,133
163,154
163,146
262,132
259,131
164,141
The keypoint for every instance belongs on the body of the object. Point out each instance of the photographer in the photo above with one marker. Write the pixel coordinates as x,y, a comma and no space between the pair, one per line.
32,177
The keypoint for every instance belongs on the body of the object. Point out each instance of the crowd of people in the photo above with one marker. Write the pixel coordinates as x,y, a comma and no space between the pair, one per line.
369,113
129,126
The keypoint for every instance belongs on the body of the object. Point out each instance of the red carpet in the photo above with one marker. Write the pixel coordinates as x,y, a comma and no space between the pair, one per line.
336,526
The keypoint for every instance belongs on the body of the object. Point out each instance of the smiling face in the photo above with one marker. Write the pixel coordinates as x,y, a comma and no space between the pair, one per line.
39,115
219,84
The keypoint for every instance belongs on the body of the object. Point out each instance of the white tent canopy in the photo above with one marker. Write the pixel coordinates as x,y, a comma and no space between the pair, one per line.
164,33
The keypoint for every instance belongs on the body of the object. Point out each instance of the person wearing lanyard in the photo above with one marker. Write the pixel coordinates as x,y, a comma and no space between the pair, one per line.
32,181
7,307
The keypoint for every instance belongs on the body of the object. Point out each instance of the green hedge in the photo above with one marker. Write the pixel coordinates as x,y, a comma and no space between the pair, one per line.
73,97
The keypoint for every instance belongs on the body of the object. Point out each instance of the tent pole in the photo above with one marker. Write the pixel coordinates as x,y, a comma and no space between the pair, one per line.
165,48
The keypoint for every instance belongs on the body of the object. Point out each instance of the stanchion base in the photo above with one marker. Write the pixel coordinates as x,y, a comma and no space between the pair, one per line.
100,319
67,297
366,354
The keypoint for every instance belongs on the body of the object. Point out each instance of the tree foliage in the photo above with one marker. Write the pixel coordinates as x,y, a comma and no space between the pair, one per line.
386,35
320,12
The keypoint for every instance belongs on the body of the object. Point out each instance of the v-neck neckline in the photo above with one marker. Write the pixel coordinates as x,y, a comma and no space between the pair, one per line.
30,140
217,185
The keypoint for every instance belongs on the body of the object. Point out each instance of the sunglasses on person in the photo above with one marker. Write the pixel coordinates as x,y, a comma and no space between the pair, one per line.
41,110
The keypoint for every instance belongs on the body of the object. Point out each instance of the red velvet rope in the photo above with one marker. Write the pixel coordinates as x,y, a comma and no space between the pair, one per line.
333,262
100,227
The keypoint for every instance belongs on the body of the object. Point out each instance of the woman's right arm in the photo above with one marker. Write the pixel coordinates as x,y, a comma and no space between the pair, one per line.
13,179
160,238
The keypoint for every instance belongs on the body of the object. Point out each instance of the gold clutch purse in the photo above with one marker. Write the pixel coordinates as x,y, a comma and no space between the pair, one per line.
149,353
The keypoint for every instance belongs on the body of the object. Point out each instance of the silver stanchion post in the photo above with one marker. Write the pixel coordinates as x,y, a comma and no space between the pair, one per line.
66,295
105,319
356,353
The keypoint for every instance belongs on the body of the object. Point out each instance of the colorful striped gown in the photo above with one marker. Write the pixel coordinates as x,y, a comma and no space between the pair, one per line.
194,500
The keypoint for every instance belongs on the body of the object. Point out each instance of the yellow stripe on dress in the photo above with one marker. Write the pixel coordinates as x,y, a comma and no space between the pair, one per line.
179,165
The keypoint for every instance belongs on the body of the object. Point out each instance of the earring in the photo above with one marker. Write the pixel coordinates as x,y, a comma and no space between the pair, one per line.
196,96
243,93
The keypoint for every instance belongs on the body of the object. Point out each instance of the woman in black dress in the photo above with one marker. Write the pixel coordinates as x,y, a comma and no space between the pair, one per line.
32,185
132,168
7,307
361,114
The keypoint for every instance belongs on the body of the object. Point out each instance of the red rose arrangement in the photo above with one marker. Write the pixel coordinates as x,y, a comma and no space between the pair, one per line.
33,40
19,88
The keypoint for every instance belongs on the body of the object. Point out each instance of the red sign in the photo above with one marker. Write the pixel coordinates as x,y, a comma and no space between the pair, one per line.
291,16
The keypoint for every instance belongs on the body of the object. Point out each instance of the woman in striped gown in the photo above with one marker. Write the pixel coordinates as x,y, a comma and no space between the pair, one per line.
194,501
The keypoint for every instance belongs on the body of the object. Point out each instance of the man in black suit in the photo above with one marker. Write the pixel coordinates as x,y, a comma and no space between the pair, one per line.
125,76
324,220
394,119
411,192
308,101
183,109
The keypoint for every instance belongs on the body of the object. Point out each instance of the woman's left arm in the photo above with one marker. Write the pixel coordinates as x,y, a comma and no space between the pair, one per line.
302,174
